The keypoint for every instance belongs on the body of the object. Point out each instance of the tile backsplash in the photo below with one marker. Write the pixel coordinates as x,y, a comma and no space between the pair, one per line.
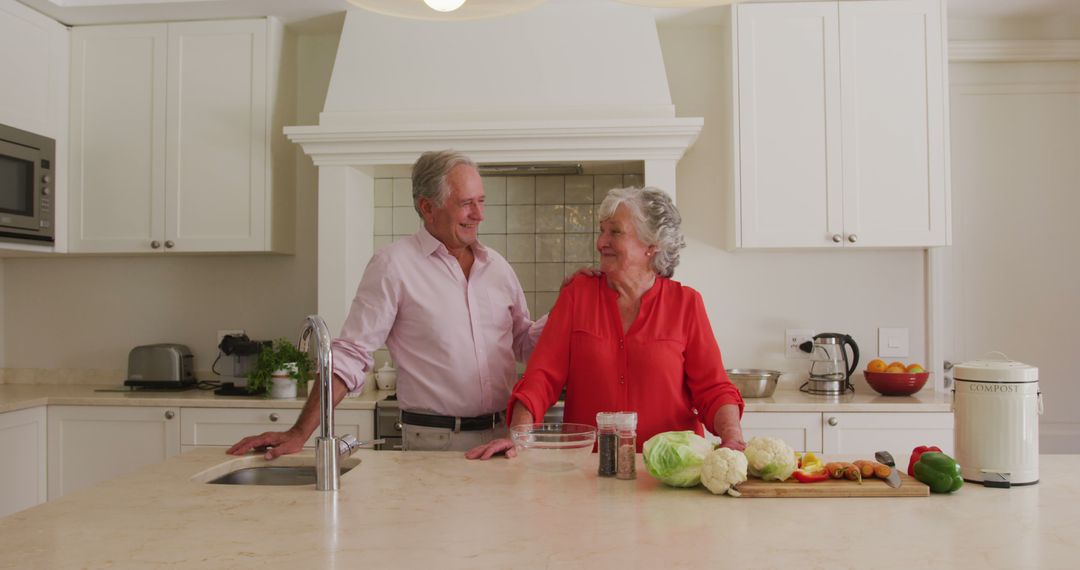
544,225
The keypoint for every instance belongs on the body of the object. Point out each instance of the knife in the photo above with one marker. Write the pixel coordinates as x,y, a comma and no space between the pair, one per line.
893,480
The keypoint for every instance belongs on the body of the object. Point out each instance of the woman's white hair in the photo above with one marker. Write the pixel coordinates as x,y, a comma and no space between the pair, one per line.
657,220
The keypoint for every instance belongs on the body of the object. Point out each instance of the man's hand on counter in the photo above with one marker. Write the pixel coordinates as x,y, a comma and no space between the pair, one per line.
275,443
491,449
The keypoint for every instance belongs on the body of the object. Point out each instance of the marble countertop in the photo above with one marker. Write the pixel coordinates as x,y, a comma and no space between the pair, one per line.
787,398
19,396
438,510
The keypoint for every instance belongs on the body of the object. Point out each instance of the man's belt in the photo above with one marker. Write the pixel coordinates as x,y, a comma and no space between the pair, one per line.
478,423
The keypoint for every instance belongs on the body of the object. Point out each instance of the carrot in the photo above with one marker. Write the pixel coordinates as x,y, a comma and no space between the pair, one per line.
882,471
836,469
866,467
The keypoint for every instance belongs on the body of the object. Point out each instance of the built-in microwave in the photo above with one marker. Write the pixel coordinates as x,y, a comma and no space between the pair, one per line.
27,186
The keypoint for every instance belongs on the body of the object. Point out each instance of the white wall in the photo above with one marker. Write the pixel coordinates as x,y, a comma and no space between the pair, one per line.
87,312
753,296
1013,273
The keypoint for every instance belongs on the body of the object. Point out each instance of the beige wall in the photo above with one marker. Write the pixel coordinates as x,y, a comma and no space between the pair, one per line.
1013,273
87,312
753,296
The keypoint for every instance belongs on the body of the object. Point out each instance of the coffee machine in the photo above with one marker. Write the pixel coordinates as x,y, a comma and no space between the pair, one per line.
830,368
241,353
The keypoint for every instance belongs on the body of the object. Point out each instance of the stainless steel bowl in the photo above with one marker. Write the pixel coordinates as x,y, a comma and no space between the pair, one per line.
753,382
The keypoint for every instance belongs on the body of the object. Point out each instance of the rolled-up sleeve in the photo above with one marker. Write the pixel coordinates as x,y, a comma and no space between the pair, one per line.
705,376
371,316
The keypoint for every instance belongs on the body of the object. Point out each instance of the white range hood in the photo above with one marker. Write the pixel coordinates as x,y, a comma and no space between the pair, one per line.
571,80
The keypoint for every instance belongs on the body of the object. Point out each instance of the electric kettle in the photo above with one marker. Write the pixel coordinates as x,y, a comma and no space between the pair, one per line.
830,369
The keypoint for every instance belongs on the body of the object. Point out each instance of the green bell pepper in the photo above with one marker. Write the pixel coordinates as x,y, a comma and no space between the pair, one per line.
939,471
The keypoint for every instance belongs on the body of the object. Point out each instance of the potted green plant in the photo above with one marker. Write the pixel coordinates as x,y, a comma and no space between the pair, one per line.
281,367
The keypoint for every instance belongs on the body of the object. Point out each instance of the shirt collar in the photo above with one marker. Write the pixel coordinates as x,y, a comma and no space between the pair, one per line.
430,244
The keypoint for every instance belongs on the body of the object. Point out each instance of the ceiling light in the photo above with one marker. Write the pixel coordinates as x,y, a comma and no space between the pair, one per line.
444,5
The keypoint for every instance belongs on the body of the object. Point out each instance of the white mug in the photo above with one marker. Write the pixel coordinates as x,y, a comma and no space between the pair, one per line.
386,379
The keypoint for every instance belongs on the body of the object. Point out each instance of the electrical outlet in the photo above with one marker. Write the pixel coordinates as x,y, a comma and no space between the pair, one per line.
793,338
225,332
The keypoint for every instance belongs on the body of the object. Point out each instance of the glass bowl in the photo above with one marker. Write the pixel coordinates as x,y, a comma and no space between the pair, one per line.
555,446
896,383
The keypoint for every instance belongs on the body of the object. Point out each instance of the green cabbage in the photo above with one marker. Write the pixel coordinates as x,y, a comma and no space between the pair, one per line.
675,457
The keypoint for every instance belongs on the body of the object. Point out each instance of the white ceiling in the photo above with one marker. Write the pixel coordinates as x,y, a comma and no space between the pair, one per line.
80,12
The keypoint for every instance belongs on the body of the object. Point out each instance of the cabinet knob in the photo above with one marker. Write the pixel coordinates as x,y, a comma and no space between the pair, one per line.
834,421
170,415
169,244
837,238
274,417
398,426
852,238
155,244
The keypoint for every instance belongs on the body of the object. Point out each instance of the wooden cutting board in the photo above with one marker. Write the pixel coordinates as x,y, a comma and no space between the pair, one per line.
909,487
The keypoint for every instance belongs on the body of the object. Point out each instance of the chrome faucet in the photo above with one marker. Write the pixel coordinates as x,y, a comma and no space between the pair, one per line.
328,449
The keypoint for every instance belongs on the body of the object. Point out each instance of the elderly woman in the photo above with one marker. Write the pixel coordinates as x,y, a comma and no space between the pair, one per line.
630,338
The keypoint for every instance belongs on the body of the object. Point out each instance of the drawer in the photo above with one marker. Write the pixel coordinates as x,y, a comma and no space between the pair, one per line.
226,426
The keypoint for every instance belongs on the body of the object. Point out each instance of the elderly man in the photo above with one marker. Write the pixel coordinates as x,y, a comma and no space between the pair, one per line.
450,310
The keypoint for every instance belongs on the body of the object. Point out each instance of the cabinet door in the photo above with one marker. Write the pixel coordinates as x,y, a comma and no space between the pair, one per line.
789,176
90,444
893,100
226,426
801,430
33,63
898,433
22,445
216,189
117,163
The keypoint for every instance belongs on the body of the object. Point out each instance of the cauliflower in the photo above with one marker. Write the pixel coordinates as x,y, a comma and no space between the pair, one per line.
770,458
722,470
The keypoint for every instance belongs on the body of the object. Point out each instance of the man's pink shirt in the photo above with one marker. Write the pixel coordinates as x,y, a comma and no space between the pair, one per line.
454,340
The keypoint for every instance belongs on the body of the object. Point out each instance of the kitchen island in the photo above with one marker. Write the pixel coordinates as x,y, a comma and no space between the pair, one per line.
438,510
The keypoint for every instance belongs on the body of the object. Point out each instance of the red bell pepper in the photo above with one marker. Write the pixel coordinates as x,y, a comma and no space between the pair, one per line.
810,477
916,453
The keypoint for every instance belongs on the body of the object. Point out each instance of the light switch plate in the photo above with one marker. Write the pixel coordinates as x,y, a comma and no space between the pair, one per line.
893,342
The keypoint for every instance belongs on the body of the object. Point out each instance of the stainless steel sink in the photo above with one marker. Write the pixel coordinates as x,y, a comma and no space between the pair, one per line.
272,475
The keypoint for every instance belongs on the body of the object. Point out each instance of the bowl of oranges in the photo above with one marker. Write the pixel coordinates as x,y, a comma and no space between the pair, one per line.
895,378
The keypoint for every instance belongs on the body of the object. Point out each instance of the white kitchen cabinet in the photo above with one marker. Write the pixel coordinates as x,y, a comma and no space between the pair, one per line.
174,127
898,433
23,449
34,68
226,426
89,444
840,125
800,430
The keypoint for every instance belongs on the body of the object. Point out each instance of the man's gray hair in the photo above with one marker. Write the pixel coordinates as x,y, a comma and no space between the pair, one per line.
657,220
429,176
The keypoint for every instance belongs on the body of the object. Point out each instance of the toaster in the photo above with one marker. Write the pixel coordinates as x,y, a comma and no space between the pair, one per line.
163,365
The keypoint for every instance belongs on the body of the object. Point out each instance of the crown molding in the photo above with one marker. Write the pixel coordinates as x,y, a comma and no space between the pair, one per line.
547,141
962,51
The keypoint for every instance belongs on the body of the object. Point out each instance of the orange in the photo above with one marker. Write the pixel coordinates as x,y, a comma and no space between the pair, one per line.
877,365
898,363
896,368
915,368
